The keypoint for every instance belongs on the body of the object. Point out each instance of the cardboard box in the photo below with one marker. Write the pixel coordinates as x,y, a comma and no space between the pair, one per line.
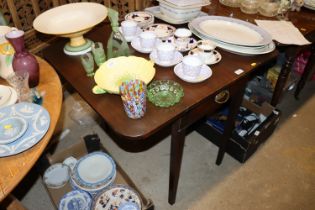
78,150
239,147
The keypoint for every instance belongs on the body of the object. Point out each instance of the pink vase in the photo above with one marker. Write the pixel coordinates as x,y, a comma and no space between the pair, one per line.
23,61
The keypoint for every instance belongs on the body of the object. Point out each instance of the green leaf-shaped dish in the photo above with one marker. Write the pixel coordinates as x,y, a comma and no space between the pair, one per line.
164,93
113,72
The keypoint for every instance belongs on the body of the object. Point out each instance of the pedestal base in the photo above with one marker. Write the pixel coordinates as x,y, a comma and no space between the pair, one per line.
80,50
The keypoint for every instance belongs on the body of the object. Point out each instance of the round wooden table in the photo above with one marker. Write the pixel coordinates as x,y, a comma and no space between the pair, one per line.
14,168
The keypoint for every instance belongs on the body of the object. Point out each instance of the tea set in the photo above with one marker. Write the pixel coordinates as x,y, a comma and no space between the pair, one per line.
166,46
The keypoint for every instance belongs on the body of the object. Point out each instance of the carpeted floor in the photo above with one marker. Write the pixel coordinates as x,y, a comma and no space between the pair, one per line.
280,175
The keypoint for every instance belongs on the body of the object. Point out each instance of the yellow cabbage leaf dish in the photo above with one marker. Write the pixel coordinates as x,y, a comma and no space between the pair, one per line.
113,72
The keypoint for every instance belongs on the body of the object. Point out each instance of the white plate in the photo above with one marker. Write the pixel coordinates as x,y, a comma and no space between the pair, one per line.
231,31
185,3
162,31
205,73
94,169
56,176
13,99
129,38
5,94
177,58
158,14
38,121
240,50
135,43
12,128
216,58
75,200
192,44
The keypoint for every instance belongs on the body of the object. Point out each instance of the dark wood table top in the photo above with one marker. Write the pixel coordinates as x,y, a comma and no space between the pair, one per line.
110,107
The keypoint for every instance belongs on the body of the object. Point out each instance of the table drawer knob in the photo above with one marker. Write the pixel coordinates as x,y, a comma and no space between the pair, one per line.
222,97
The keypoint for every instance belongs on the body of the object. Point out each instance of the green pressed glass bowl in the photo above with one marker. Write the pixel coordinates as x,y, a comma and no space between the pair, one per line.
164,93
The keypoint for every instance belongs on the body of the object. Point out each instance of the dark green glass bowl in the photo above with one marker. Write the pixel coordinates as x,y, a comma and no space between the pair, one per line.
164,93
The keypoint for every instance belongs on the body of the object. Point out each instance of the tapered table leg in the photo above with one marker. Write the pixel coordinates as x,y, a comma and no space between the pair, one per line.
309,68
235,103
177,146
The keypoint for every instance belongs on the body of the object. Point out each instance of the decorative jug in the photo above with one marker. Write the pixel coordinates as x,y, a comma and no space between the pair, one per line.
6,53
23,61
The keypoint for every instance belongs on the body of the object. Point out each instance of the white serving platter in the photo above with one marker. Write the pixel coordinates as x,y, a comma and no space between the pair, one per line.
231,31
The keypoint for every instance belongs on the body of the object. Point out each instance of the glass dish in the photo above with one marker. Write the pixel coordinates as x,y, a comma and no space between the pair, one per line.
250,6
230,3
269,8
164,93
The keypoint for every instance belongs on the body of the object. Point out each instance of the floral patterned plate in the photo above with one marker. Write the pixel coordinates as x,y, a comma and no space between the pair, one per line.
162,31
115,197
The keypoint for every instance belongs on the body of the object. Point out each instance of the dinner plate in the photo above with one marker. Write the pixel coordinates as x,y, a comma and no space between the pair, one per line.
158,14
116,196
5,94
94,169
205,73
38,121
220,28
13,98
12,128
240,50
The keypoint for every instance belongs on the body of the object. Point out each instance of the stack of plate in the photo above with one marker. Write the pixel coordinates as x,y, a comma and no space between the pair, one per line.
310,4
93,173
8,96
233,35
178,11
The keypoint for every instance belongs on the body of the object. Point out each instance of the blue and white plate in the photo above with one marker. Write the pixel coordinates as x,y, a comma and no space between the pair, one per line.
94,170
38,120
12,128
75,200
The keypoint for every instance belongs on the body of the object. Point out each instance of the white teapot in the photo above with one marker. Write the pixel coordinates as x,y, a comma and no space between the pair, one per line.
6,53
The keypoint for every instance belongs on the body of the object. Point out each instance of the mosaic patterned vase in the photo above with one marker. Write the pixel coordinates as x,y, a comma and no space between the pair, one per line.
23,61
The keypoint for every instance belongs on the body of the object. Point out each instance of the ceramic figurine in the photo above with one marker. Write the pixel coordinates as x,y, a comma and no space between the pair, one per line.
296,5
116,47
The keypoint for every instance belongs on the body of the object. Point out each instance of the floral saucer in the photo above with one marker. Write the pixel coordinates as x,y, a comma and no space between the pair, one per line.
191,44
12,128
142,18
215,58
135,43
205,73
178,57
75,199
162,31
128,38
56,176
